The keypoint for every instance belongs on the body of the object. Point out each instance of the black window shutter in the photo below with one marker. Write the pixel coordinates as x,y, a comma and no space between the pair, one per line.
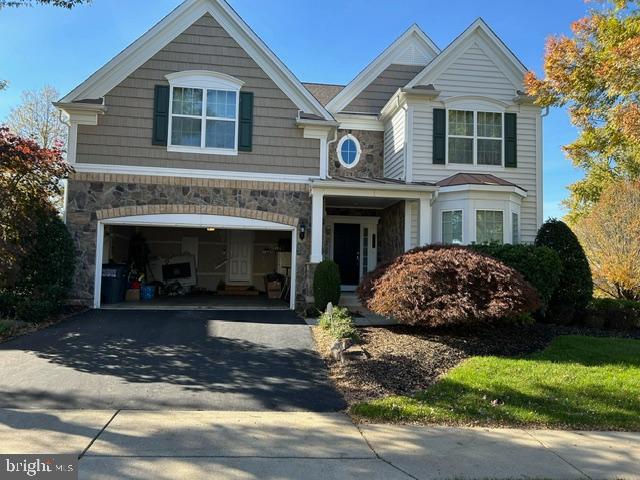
439,135
245,126
510,140
160,115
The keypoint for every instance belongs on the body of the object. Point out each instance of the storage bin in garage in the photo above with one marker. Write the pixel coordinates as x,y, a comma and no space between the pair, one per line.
114,283
148,292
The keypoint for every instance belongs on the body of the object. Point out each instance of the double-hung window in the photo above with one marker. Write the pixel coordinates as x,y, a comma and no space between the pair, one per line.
203,112
475,138
452,227
489,226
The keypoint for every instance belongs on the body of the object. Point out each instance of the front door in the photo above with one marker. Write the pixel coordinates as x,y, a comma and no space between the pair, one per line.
346,252
239,253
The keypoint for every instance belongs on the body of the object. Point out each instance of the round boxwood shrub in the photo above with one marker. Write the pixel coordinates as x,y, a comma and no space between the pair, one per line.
575,286
447,285
326,284
540,266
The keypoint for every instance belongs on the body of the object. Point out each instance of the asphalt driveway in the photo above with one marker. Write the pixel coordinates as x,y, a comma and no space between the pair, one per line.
150,360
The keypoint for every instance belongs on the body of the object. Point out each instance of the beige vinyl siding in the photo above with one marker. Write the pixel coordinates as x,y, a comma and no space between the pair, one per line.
378,92
524,175
394,146
123,134
414,224
475,73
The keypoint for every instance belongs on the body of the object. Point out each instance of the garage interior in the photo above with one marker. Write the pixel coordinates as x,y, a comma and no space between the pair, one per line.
204,267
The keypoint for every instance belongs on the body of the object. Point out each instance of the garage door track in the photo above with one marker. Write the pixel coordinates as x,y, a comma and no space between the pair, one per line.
203,360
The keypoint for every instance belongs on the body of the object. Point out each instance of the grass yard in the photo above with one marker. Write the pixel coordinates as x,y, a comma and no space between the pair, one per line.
576,382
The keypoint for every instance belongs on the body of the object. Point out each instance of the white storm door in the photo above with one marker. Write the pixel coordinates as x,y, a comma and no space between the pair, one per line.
239,251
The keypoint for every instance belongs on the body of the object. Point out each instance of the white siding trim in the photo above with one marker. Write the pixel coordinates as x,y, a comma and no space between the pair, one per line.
190,173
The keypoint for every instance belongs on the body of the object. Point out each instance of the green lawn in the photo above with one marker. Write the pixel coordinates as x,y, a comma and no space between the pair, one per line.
577,382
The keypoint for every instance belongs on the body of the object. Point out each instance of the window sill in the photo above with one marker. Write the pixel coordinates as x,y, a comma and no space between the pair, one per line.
206,151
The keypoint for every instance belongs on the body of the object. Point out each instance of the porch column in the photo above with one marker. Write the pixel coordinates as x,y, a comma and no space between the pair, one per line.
317,217
424,212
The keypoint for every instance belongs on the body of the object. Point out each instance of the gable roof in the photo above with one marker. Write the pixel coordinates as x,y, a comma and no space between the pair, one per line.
136,54
323,92
478,31
413,47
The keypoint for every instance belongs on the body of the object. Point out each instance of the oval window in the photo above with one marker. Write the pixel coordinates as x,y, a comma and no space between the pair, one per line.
348,151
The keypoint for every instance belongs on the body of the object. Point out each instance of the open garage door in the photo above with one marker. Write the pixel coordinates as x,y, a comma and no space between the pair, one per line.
194,261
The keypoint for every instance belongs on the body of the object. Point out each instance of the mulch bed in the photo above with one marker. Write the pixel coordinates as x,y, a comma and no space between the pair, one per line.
23,328
405,359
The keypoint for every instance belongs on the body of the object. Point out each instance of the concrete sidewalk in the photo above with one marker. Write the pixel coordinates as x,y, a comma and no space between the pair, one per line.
248,445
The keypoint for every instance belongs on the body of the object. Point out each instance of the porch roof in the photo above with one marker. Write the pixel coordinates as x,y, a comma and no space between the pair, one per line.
372,183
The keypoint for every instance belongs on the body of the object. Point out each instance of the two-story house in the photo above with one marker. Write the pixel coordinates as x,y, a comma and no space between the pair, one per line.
199,139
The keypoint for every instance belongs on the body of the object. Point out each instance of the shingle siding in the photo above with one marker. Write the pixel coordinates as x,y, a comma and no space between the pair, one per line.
123,134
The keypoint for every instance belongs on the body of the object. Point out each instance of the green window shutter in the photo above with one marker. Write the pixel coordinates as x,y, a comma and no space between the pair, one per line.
439,135
160,115
245,126
510,140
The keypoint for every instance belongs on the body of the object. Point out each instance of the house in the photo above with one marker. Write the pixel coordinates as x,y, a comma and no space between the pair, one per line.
200,139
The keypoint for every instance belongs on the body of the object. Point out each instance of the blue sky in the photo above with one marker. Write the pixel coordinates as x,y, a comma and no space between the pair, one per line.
320,41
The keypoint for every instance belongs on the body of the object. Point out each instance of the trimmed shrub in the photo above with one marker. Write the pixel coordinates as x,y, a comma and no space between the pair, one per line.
326,284
540,266
447,285
575,287
45,274
613,313
338,324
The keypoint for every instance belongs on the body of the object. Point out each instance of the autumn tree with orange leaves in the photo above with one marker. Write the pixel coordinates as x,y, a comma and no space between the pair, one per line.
610,236
596,74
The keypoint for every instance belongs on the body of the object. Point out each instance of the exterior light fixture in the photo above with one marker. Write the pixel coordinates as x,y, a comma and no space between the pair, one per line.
211,229
302,229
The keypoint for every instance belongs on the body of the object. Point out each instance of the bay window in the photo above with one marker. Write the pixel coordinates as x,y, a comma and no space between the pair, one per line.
452,227
489,226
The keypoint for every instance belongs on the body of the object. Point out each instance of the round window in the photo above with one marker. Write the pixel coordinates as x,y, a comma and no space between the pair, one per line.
348,151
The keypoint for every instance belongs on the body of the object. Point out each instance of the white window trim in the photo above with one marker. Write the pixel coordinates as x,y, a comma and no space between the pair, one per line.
504,222
339,151
461,210
475,138
204,80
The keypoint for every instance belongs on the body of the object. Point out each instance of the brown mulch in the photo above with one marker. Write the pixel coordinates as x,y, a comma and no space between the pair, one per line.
17,329
406,359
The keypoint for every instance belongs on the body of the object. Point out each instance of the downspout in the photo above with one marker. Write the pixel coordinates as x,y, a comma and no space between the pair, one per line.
329,142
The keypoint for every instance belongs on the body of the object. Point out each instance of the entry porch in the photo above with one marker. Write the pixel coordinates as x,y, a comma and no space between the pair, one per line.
360,223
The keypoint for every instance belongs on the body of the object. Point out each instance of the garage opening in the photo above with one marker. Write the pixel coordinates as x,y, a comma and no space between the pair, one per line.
152,266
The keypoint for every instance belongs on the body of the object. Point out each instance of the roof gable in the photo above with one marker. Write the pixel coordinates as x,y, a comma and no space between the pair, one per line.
479,36
136,54
413,47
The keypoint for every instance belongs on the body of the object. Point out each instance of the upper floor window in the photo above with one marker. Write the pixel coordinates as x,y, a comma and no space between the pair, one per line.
203,112
349,151
474,138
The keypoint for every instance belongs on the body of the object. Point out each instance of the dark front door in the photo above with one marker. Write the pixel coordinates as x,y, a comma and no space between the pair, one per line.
346,252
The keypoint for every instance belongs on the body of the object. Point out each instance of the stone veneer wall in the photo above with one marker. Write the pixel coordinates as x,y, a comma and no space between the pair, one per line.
371,158
93,195
391,232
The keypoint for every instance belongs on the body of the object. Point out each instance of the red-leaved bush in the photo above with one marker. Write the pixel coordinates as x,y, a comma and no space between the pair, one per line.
447,285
